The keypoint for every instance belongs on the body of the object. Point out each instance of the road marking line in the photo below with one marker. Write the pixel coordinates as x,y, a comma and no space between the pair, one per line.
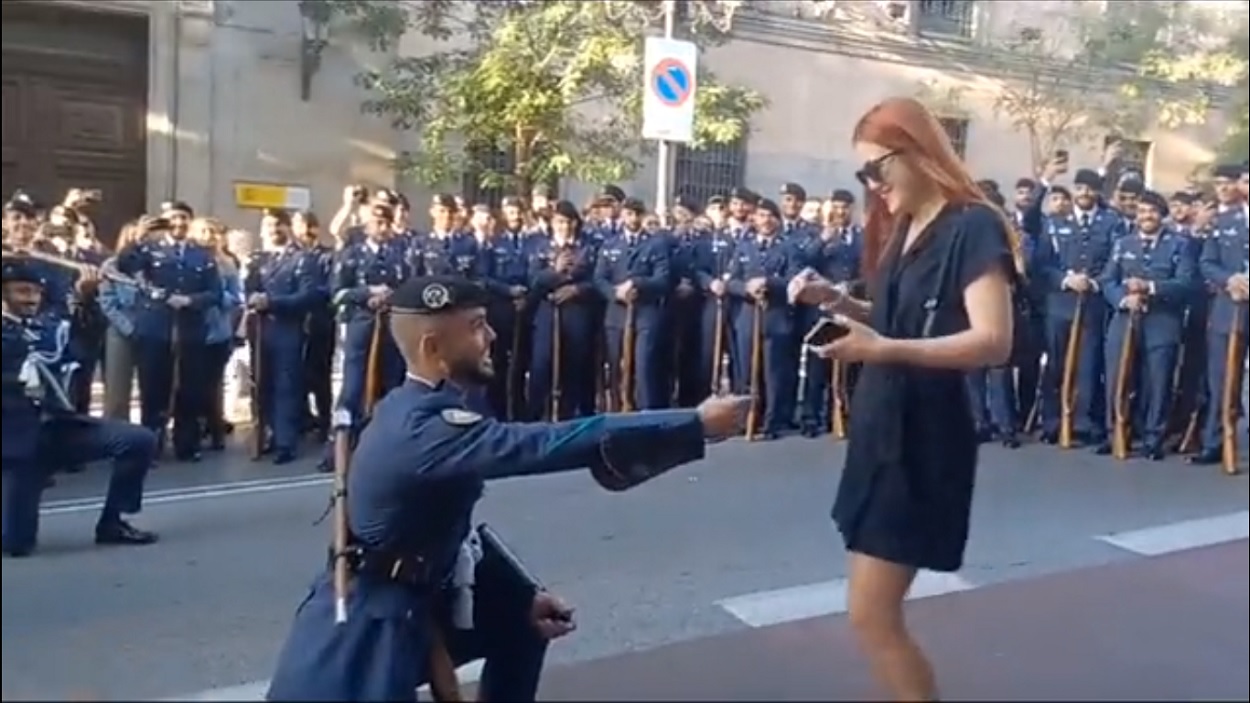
814,600
1180,536
183,495
468,674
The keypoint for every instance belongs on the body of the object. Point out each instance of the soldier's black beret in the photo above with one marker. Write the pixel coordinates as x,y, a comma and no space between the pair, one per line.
567,210
794,190
1183,197
22,206
1088,177
768,206
1154,200
1131,185
20,269
634,205
444,200
842,195
1060,190
744,195
153,223
437,295
1230,171
686,202
177,206
612,192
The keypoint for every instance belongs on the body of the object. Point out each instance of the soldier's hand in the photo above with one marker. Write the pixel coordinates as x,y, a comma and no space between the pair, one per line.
1080,283
684,289
564,294
258,301
517,291
723,416
1137,286
717,287
375,302
755,287
377,291
551,616
178,302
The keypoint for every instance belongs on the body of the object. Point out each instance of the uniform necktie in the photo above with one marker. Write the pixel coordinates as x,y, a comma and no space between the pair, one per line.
1084,220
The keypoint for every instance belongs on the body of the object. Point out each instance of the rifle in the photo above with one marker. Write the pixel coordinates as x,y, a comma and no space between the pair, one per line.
627,361
373,370
757,367
1121,441
254,400
1229,400
557,393
1071,359
338,499
511,380
718,345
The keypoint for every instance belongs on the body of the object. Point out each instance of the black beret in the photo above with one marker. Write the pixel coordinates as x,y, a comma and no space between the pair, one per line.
769,206
22,206
444,200
1088,177
842,195
437,295
686,203
177,207
744,195
1183,197
1230,171
153,223
987,185
21,269
567,210
634,205
1154,200
386,196
794,190
1060,190
612,192
1131,185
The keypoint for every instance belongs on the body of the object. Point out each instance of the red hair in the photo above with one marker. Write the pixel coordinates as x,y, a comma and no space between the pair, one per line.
905,126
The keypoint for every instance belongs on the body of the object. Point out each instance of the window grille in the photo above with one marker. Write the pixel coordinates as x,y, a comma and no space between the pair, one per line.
952,18
957,131
712,170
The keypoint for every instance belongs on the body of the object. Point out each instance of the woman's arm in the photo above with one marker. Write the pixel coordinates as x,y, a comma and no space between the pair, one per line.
986,342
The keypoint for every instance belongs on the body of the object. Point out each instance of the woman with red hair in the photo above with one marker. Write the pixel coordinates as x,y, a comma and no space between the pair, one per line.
940,270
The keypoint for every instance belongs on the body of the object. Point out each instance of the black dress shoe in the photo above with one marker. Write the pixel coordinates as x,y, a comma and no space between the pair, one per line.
1208,457
122,532
1156,454
1050,438
1103,449
191,457
1011,442
284,456
17,552
811,432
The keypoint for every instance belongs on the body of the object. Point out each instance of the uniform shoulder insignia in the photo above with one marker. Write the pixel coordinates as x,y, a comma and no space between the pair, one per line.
458,417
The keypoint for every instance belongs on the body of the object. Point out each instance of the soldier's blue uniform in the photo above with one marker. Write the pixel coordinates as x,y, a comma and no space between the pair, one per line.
715,263
288,278
1190,388
1161,259
504,269
691,256
1081,243
797,232
1225,254
88,328
42,431
170,342
418,470
644,260
767,256
835,254
577,319
321,334
360,267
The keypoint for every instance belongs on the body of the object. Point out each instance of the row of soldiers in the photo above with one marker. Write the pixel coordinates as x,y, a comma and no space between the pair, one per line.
612,307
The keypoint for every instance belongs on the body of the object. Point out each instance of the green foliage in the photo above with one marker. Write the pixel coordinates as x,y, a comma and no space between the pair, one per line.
555,86
1120,71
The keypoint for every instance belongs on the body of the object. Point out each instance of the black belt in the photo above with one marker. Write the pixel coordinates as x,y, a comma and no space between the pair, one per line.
406,569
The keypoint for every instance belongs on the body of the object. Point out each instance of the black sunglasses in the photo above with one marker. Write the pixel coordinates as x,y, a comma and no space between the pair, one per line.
871,171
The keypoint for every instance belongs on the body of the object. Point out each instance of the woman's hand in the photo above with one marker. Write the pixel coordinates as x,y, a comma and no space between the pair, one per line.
810,288
860,343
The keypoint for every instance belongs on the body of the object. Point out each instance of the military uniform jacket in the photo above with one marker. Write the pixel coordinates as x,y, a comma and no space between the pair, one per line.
1227,252
361,266
1164,262
639,257
288,278
1079,244
172,268
772,259
22,415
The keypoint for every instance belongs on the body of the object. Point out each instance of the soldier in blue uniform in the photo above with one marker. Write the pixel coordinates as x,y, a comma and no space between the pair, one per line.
691,255
418,470
281,287
632,271
42,430
183,282
834,253
1225,268
561,271
1188,401
793,197
321,332
446,249
1071,262
1150,275
764,263
720,309
503,263
365,275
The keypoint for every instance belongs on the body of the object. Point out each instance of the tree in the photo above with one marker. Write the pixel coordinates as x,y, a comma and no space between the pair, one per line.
554,84
944,99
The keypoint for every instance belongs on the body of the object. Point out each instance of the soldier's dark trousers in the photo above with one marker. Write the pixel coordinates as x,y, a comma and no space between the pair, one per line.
1151,379
357,338
1217,363
727,346
690,367
992,395
773,375
510,357
172,381
319,370
71,442
1088,416
218,358
815,415
648,381
283,394
576,373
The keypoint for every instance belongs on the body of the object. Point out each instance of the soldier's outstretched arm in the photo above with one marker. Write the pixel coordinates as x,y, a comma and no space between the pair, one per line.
649,443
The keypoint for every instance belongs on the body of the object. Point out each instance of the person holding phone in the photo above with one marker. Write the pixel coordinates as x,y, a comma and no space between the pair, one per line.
940,270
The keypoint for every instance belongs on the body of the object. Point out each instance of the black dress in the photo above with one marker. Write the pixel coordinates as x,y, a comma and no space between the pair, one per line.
906,489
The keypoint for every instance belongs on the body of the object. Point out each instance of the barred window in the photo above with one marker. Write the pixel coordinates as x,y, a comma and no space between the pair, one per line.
957,131
1133,161
712,170
491,159
951,18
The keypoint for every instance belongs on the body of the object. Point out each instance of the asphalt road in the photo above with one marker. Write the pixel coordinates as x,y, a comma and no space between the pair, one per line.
207,608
